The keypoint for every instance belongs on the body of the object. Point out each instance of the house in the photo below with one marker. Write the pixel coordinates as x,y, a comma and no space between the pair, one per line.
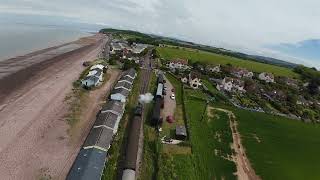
289,81
126,79
114,107
184,79
119,94
124,85
213,69
90,81
194,80
131,73
181,133
139,48
181,64
267,77
241,72
231,85
277,95
108,120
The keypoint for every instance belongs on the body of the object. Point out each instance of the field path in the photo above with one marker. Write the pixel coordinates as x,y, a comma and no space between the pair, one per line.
244,169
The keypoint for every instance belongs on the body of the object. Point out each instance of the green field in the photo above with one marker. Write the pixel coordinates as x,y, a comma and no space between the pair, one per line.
207,57
288,149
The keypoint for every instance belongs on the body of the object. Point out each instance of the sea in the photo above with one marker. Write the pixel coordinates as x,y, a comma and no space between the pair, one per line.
18,39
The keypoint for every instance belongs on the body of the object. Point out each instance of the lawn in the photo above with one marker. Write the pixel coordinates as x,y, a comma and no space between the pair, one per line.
208,57
288,149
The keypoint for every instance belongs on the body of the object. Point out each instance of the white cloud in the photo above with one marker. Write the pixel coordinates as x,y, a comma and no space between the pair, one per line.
246,24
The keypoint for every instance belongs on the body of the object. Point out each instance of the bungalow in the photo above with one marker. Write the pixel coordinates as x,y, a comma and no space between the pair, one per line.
119,94
267,77
194,80
123,85
231,85
241,72
181,64
114,107
108,120
90,81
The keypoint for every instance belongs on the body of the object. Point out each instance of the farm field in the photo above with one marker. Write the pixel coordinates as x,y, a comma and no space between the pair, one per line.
207,57
279,148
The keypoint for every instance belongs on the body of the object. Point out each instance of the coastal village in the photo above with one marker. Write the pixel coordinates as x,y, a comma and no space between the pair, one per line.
138,112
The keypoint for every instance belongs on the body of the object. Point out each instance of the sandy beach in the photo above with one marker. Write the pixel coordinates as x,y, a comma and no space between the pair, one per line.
34,139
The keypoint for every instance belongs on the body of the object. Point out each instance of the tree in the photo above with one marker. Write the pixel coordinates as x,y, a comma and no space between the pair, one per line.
313,87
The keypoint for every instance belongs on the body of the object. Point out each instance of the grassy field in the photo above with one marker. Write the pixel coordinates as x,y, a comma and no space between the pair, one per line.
202,56
288,149
117,148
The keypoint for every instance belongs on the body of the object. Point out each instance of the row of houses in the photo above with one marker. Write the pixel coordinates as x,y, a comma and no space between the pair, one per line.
92,157
125,48
95,76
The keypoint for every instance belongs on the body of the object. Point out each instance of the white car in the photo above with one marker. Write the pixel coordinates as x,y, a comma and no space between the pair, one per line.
173,97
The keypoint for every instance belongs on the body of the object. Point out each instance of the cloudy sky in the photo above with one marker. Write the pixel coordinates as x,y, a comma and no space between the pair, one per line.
287,29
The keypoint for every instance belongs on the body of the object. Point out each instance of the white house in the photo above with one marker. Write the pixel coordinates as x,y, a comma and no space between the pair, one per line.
119,94
181,64
241,72
267,77
231,85
194,80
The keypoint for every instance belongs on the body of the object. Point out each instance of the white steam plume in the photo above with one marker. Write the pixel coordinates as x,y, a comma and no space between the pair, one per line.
145,98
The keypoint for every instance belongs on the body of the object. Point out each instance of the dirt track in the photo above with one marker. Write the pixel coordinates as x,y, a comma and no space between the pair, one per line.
33,132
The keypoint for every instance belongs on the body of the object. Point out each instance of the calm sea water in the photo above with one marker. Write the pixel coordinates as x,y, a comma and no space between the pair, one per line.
20,39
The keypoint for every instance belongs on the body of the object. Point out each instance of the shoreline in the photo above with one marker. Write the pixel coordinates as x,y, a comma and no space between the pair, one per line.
15,72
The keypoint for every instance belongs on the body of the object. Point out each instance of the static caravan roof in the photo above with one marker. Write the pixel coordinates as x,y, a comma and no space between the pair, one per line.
121,91
89,164
106,119
131,72
114,106
123,84
126,78
100,138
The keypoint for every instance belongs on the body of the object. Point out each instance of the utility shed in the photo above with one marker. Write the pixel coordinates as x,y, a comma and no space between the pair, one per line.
107,120
99,138
119,94
89,164
124,85
126,79
181,133
114,107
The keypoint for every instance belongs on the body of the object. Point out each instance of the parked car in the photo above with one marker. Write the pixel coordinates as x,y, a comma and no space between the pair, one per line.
172,90
173,97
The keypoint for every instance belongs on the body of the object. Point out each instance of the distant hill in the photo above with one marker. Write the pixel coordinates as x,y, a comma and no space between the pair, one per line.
156,40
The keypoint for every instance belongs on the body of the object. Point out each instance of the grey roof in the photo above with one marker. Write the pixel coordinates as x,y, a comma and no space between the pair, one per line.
159,89
89,164
181,130
91,78
115,106
126,78
106,119
122,91
131,72
123,84
99,137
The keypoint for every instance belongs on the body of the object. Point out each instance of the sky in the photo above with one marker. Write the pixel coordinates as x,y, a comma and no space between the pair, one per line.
286,29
